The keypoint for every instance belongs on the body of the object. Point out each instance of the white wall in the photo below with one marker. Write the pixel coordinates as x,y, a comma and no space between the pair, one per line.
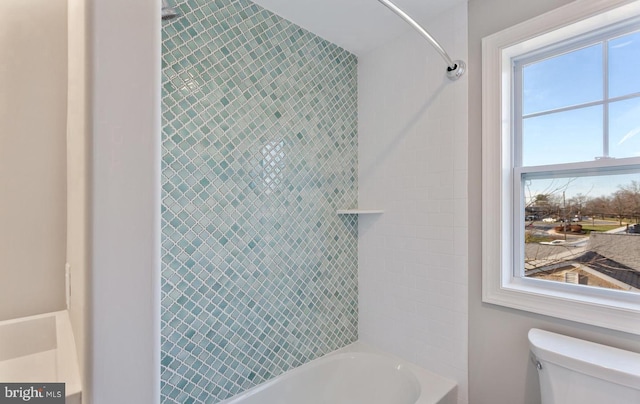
33,93
499,367
124,286
77,175
412,163
126,141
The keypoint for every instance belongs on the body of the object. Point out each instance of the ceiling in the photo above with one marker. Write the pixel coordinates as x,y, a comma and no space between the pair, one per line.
356,25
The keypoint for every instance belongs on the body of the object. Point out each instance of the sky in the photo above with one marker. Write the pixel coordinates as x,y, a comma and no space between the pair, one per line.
576,78
591,187
577,135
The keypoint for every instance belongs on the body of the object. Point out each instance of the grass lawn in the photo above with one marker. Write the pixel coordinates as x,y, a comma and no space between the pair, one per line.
587,228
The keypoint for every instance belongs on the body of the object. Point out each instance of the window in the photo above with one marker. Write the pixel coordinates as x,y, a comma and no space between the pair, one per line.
561,165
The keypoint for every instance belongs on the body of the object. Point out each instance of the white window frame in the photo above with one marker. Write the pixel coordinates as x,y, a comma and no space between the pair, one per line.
502,242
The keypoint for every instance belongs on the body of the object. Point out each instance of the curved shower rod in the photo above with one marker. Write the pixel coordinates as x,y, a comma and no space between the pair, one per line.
455,68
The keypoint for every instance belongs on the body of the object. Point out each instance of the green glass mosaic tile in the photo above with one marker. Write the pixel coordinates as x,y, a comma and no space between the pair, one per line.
259,274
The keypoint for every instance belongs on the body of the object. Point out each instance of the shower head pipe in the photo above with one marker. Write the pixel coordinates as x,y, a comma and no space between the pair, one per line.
455,68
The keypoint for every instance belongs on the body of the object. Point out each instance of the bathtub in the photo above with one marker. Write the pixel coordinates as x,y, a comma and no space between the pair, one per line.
40,349
357,374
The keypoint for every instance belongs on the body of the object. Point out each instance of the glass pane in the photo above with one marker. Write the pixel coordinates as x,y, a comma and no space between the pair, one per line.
624,128
584,230
624,65
563,137
569,79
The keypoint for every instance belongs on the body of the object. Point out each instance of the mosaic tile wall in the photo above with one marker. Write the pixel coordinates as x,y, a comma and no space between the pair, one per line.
259,274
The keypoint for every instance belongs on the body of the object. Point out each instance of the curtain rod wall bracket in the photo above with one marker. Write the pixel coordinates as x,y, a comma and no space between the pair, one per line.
455,69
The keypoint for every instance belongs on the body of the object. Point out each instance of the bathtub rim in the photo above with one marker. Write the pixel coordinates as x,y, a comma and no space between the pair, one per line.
433,387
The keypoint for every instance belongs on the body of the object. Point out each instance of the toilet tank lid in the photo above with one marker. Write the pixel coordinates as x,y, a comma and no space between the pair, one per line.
600,361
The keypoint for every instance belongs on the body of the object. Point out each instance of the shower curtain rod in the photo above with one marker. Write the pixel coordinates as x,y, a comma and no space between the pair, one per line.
455,68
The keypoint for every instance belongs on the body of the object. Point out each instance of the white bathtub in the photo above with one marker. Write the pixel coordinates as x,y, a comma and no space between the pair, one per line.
40,349
357,374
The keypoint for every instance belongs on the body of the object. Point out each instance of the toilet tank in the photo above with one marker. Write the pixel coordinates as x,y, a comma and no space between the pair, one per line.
582,372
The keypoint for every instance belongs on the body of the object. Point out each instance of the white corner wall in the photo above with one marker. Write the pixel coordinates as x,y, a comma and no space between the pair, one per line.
124,286
77,175
413,164
33,94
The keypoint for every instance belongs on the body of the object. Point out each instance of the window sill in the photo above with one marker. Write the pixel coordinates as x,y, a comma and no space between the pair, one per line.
569,302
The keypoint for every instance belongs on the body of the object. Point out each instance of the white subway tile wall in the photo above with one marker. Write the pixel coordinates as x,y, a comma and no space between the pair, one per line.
413,164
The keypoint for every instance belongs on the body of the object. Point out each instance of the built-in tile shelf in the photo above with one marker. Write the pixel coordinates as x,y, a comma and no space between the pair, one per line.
359,211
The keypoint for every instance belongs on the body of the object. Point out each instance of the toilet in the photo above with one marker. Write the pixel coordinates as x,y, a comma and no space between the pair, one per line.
573,371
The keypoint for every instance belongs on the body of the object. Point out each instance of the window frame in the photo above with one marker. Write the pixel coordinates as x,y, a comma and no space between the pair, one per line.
503,242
